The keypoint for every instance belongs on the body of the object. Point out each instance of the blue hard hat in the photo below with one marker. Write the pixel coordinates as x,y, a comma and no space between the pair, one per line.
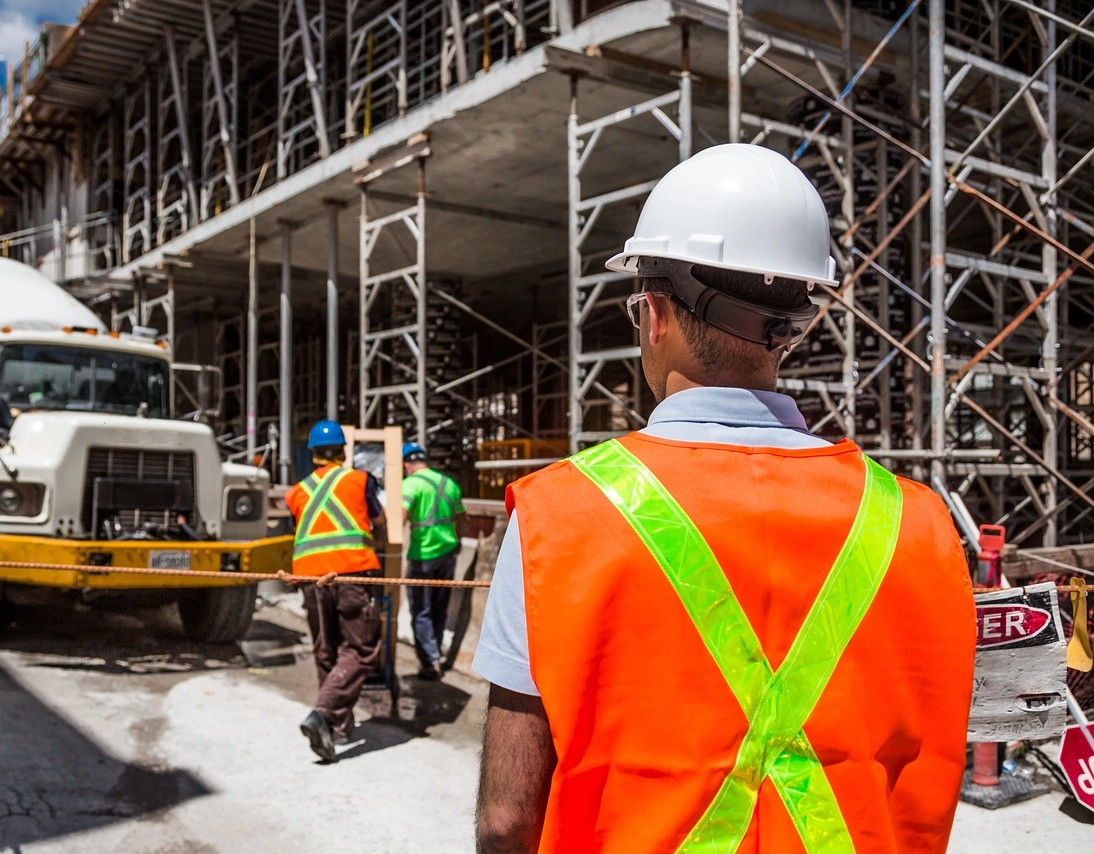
326,434
413,451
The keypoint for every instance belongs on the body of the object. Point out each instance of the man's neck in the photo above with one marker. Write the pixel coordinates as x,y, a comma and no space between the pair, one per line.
677,381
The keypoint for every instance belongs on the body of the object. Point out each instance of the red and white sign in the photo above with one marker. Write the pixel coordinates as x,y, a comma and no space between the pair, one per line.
1000,624
1018,684
1077,759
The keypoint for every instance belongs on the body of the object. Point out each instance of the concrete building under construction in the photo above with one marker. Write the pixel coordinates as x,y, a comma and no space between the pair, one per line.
397,212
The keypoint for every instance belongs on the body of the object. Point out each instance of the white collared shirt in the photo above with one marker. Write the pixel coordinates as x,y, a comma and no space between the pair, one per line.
708,415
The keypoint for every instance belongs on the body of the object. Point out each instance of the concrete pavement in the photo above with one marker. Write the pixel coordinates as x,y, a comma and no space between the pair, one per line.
118,735
147,743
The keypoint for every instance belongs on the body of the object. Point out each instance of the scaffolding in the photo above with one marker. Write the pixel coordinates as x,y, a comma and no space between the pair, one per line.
952,142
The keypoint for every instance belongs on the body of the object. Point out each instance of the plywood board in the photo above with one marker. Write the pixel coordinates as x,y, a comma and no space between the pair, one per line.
1018,683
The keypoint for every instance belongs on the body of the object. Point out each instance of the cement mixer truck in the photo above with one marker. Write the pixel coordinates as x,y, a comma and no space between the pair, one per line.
95,474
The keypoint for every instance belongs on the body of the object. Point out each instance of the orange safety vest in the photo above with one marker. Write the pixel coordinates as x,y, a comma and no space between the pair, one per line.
333,532
646,724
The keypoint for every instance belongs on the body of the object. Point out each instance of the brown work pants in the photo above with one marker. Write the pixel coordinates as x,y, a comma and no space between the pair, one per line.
345,630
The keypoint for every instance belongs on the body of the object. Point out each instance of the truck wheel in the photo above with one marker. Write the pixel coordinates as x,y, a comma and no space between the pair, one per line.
217,614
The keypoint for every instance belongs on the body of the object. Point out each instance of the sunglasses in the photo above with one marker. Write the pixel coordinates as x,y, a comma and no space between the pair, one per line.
633,302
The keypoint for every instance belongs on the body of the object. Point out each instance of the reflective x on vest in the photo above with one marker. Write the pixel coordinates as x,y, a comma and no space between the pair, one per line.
775,703
431,517
347,534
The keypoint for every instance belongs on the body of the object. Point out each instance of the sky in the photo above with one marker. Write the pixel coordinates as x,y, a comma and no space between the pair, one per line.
19,20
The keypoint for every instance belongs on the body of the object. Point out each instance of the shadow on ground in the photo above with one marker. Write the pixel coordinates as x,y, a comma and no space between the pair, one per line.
115,639
1073,809
418,706
56,781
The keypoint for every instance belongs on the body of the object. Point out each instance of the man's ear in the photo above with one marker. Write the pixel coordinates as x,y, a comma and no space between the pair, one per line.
659,315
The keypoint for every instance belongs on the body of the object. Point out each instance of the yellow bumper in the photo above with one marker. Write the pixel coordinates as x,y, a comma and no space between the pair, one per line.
257,556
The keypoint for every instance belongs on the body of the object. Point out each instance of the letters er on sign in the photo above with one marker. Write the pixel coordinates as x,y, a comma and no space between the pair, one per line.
1018,684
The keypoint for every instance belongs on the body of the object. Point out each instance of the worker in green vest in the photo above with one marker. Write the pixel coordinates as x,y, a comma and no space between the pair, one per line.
433,506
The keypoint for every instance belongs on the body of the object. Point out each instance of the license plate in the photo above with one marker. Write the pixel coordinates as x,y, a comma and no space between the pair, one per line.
169,560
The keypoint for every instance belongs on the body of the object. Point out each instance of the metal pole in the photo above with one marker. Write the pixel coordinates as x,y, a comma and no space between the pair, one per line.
422,294
915,257
226,141
576,373
315,84
252,343
169,310
685,95
937,80
285,384
1049,261
734,77
61,227
180,118
332,311
362,315
1080,718
885,395
850,352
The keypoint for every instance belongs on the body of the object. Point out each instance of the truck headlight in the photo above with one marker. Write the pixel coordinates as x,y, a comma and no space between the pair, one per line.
21,499
11,499
244,505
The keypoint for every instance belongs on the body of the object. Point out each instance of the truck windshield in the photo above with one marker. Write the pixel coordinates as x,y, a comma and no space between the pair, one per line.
45,376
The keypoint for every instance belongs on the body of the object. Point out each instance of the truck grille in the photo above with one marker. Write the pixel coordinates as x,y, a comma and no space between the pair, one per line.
136,487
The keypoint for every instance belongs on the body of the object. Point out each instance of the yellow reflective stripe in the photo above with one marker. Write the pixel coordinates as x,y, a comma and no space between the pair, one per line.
315,502
430,519
341,515
774,745
790,697
333,542
323,500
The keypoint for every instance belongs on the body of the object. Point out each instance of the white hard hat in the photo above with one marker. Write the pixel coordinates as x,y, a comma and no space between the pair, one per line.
738,207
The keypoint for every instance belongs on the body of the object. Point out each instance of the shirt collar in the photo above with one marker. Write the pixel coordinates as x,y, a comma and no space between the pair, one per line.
734,407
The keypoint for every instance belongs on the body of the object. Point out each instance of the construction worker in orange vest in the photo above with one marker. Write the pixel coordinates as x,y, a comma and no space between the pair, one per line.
721,633
336,511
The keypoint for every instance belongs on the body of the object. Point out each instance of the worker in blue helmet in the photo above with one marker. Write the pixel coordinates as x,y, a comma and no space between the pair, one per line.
433,505
338,518
327,434
413,452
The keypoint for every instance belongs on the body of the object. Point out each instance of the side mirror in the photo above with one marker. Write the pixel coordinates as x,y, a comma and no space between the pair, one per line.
6,419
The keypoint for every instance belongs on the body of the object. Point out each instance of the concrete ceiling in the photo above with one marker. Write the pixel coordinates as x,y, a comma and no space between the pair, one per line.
496,180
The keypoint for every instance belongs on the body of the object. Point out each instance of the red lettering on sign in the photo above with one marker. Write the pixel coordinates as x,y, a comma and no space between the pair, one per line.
1000,624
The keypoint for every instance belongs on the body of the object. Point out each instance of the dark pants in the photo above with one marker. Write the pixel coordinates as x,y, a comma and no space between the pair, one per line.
429,606
345,630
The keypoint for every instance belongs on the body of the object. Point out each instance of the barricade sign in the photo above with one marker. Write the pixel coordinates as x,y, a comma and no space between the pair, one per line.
1019,681
1077,760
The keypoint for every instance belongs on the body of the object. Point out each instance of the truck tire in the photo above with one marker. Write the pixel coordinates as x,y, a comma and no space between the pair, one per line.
217,614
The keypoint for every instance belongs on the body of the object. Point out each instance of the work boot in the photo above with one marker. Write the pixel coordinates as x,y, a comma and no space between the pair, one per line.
317,730
429,674
344,737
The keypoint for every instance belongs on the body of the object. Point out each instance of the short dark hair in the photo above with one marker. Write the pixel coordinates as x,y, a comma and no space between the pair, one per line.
329,452
712,347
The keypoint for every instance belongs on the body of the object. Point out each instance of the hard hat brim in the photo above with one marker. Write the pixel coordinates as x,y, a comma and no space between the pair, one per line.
627,262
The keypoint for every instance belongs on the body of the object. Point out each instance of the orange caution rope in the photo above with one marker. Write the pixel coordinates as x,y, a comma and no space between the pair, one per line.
280,575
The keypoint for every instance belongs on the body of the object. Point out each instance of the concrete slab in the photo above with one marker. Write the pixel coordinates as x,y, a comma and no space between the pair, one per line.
497,177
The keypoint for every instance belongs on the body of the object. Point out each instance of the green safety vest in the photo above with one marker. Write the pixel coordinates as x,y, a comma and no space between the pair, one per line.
775,703
347,533
431,518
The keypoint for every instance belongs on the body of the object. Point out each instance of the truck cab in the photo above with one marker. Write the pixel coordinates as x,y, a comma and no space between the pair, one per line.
94,473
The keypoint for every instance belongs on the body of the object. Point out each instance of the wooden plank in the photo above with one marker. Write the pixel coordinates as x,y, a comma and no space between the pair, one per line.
1019,680
1022,564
